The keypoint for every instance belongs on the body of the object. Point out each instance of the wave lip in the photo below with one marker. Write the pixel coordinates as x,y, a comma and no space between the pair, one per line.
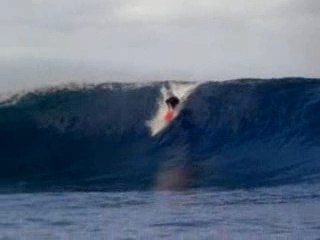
242,133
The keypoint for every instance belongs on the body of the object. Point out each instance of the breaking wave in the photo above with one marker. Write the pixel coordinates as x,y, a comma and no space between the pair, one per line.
240,133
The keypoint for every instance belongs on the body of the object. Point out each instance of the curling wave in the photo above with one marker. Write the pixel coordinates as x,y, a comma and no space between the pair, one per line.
241,133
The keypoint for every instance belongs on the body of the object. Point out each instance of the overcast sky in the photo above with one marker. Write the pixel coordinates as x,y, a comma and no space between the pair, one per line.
46,41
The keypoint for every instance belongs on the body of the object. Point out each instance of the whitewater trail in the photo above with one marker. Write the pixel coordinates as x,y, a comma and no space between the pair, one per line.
182,90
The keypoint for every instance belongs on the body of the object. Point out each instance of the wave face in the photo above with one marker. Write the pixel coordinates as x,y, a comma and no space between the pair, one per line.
242,133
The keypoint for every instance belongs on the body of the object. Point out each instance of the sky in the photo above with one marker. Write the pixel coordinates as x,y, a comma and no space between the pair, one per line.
48,42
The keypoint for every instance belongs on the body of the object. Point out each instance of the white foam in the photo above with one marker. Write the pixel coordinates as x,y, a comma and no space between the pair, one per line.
182,91
11,97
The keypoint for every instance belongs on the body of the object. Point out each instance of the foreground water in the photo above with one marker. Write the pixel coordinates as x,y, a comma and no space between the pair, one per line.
287,212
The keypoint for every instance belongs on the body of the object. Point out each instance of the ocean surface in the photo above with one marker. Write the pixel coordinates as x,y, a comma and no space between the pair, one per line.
239,161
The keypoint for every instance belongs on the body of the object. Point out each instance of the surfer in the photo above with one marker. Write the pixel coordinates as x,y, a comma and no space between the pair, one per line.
172,101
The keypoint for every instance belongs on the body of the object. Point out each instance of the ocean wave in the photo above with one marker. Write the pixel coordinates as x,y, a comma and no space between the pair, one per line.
241,133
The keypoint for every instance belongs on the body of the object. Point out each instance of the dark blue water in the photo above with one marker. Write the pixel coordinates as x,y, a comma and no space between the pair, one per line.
290,212
241,161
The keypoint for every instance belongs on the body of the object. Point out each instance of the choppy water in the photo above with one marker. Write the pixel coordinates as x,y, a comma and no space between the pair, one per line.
287,212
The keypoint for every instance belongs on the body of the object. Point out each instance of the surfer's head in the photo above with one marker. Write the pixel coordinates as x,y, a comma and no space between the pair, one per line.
172,101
